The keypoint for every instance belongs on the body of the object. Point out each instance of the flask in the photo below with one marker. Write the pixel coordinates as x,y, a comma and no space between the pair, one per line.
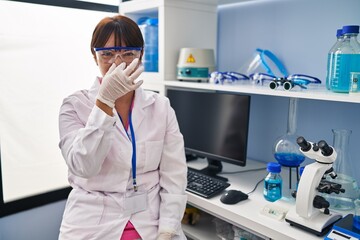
331,57
346,60
286,150
273,182
150,32
342,167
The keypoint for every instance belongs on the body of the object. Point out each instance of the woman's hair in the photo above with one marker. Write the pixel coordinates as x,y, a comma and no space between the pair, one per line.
126,33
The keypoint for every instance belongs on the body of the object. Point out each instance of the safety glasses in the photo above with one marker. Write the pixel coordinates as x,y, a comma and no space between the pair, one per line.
109,54
229,77
287,83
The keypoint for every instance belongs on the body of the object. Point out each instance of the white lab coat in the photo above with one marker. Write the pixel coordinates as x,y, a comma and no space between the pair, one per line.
98,154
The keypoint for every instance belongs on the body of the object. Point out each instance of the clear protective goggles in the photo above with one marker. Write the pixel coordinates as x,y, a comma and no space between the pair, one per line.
227,77
109,54
287,83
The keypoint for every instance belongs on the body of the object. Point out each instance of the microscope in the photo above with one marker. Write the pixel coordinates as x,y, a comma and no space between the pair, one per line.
311,211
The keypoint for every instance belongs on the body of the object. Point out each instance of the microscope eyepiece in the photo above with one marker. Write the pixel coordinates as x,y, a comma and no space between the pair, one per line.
305,145
326,150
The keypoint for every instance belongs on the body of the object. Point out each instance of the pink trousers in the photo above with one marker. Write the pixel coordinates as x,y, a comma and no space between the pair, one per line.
130,233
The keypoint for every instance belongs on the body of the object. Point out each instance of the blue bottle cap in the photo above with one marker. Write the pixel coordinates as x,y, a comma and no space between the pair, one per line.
339,32
301,170
273,167
350,29
152,21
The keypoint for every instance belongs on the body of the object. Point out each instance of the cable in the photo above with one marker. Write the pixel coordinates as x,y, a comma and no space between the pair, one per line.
257,184
244,171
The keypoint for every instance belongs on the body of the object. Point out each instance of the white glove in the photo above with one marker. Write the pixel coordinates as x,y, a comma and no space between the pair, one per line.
118,81
165,236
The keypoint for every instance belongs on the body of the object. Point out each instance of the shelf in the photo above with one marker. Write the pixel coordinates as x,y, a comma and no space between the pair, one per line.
204,229
315,93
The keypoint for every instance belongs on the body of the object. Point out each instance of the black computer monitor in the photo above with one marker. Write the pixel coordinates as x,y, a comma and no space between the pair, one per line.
214,125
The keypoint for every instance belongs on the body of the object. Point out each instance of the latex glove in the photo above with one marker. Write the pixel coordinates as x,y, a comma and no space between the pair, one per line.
118,81
164,236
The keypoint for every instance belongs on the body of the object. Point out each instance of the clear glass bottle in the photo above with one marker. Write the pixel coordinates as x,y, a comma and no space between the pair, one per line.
331,57
273,182
346,60
344,170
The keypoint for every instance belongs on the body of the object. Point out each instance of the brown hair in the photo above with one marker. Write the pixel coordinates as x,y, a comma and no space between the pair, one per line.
126,32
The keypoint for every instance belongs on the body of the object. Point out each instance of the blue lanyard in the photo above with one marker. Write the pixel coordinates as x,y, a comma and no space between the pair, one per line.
133,143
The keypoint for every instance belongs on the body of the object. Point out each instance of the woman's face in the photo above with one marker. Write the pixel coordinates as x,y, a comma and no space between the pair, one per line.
105,58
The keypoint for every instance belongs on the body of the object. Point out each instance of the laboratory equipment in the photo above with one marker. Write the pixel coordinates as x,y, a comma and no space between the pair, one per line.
347,59
204,185
357,214
286,150
331,61
311,211
264,61
344,230
150,31
345,173
287,82
273,182
227,77
195,64
214,125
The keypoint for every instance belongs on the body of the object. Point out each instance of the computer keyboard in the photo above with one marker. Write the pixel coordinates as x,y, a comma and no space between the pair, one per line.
204,185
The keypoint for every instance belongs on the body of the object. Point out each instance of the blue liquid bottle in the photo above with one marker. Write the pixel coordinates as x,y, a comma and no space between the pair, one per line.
331,58
346,60
273,182
150,31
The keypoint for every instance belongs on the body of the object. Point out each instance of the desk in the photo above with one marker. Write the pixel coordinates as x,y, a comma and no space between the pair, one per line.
246,214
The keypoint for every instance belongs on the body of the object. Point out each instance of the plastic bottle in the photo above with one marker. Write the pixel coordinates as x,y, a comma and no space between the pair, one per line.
150,32
346,60
331,57
273,182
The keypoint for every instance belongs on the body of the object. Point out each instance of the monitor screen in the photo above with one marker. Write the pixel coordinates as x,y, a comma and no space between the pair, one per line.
214,124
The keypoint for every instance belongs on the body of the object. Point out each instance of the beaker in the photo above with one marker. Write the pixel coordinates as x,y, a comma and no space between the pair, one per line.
343,168
357,214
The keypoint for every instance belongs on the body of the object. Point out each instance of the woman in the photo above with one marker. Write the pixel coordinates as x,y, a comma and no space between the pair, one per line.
123,148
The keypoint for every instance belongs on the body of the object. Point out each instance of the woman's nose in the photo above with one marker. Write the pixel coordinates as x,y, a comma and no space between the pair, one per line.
117,59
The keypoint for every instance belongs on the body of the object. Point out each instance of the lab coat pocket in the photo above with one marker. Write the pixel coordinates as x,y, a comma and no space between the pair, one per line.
153,155
83,209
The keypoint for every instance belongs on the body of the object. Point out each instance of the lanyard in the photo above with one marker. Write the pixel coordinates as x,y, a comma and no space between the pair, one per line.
133,143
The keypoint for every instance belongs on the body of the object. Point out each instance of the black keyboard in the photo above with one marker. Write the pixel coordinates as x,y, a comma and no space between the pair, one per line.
204,185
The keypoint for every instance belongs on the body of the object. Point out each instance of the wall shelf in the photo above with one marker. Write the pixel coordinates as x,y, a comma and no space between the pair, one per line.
315,93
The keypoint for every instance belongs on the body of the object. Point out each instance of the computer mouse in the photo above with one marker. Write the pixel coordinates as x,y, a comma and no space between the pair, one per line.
233,196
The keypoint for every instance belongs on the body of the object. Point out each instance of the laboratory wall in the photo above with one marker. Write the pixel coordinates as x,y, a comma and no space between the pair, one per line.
300,33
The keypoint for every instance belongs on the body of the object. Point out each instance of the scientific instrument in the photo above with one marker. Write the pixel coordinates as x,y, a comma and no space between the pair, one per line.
195,64
344,230
311,211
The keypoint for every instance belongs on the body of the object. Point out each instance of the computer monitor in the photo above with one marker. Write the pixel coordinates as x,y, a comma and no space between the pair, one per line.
214,125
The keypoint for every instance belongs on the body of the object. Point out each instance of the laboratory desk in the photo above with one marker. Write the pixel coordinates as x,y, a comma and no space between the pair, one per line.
245,214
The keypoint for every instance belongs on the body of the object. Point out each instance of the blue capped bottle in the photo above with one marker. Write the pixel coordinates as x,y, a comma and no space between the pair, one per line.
273,182
347,60
149,29
331,57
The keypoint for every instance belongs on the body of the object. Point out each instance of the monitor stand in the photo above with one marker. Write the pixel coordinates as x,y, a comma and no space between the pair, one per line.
214,167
